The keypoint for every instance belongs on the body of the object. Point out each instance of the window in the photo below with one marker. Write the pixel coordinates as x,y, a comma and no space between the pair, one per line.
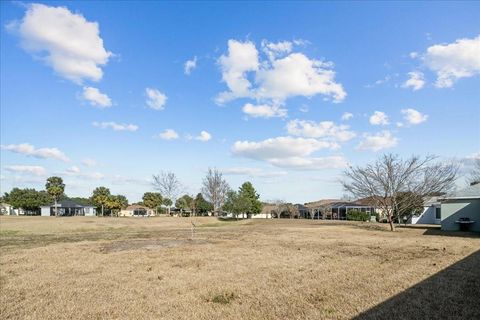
438,213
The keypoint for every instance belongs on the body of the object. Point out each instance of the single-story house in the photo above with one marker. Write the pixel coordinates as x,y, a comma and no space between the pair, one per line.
336,209
136,210
461,209
431,213
8,210
68,208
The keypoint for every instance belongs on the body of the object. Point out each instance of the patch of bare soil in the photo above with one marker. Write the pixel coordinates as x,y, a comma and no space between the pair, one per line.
148,244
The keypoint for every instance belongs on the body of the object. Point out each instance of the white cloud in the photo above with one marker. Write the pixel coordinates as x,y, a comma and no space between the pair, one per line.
415,81
204,136
283,75
454,61
413,116
379,141
190,65
304,109
252,172
168,134
297,75
413,55
280,147
67,42
74,170
89,162
155,99
115,126
379,118
96,98
264,111
347,116
36,170
242,57
42,153
323,129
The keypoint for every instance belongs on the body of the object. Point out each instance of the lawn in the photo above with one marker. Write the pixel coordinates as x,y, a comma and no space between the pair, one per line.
151,268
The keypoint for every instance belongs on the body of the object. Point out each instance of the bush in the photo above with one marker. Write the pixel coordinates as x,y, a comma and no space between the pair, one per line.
356,215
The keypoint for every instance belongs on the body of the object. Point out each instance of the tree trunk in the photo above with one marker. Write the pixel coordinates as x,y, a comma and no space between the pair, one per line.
56,208
102,210
390,221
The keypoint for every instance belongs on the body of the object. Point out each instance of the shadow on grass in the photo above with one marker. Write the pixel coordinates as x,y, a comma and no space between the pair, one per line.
453,293
439,232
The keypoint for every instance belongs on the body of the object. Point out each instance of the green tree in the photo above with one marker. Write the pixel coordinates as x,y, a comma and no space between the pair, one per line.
100,197
116,203
202,206
152,200
55,188
235,203
28,200
248,194
185,202
167,203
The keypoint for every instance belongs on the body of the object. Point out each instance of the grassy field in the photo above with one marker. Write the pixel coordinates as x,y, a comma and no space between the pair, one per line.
150,268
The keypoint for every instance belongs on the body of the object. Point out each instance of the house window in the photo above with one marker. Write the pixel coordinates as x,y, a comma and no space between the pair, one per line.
438,213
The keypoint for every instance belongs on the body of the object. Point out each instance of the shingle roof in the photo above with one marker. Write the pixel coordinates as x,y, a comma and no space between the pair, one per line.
67,203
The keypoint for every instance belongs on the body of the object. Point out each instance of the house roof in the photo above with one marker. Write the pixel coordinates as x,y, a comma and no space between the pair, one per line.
319,203
67,203
471,192
373,201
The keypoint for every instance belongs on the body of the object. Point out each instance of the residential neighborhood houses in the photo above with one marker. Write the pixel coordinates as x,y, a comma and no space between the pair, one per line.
456,210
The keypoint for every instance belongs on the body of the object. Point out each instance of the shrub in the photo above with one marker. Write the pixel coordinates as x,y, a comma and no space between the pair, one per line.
356,215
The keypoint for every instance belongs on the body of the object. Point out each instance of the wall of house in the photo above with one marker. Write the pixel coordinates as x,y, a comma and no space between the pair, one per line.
426,217
89,211
45,211
452,210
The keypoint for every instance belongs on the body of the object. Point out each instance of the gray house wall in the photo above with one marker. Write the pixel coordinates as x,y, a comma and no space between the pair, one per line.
454,209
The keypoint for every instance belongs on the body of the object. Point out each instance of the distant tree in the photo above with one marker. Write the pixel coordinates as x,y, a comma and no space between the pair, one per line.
474,176
408,205
115,203
167,203
202,206
390,176
249,195
100,198
279,207
29,200
152,200
168,185
215,189
55,188
235,204
80,200
185,202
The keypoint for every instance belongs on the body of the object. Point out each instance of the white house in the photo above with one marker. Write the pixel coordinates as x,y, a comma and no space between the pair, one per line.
136,210
431,212
68,208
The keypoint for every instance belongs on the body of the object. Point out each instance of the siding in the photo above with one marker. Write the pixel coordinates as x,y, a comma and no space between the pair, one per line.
454,209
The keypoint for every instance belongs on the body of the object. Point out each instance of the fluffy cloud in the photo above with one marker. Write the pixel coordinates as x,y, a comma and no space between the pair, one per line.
168,134
67,42
413,116
74,170
454,61
347,116
252,172
323,129
283,75
155,99
290,153
379,141
242,57
204,136
280,147
35,170
379,118
96,98
42,153
415,81
190,65
264,111
115,126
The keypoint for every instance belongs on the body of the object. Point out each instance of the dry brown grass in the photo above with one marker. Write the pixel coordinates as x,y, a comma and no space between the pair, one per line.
149,268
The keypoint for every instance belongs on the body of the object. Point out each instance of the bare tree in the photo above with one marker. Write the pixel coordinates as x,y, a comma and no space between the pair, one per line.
390,176
474,176
215,189
168,185
279,207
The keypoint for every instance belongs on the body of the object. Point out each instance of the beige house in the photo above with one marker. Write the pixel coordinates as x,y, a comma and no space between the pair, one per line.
136,210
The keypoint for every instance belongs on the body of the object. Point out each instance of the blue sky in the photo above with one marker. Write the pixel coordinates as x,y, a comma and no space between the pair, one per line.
88,90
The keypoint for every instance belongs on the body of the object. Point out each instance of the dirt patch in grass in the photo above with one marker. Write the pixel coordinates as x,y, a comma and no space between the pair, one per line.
149,244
